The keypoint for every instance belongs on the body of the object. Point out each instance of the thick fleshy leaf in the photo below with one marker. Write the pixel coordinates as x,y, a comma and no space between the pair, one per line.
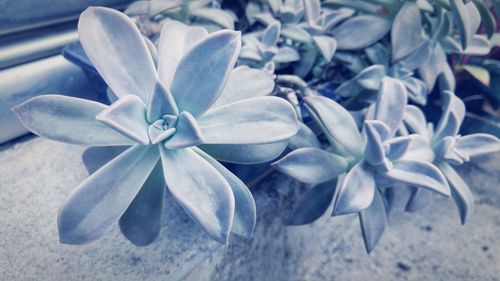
327,46
97,156
356,190
152,50
360,31
420,174
478,144
296,33
416,89
374,151
275,5
305,137
176,39
271,34
419,148
311,165
396,147
468,20
201,190
373,220
245,83
307,61
313,10
250,121
187,133
419,198
313,204
118,51
415,120
286,54
338,124
141,222
127,116
370,77
452,117
100,200
245,214
331,18
204,70
67,119
432,66
391,103
245,153
460,192
478,46
487,18
218,16
161,102
406,32
418,56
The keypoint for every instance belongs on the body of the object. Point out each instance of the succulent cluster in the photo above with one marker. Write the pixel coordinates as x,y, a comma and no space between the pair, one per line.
334,89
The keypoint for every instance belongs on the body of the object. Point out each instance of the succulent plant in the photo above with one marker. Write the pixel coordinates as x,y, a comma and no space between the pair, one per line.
447,148
194,97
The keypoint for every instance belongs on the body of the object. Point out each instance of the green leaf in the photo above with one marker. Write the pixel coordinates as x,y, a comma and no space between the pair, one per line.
478,72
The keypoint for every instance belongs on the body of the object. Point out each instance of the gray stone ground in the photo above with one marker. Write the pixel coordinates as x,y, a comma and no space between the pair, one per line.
36,176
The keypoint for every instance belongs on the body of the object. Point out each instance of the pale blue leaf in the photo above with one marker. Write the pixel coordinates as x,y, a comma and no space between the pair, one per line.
391,103
275,5
307,61
446,79
313,204
416,89
245,214
313,10
305,137
374,151
419,198
204,70
377,54
338,125
478,144
332,18
245,83
418,56
478,46
152,50
250,121
127,116
419,149
460,192
100,200
311,165
296,33
161,102
271,34
141,222
250,53
187,133
468,20
452,117
487,18
97,156
415,121
406,32
397,147
220,17
176,39
118,51
245,153
201,190
286,55
356,191
370,77
432,66
327,46
373,221
68,119
418,173
360,31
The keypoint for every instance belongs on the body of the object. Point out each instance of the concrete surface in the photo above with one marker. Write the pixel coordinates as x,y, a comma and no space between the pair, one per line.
36,176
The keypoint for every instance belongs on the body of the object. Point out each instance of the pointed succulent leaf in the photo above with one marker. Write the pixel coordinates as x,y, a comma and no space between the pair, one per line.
176,39
250,121
371,77
201,191
296,33
397,147
127,116
432,66
416,89
118,51
313,204
161,102
419,148
286,55
141,222
217,16
187,133
373,220
417,57
377,54
406,32
356,191
305,137
460,192
478,144
391,103
313,10
308,59
245,83
415,121
478,46
68,119
374,151
332,18
152,50
360,31
245,153
420,174
209,64
468,20
326,45
487,18
275,5
311,165
244,213
419,198
100,200
271,34
452,117
337,124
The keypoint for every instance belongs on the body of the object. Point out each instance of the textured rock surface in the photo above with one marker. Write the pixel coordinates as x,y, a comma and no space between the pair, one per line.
37,175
